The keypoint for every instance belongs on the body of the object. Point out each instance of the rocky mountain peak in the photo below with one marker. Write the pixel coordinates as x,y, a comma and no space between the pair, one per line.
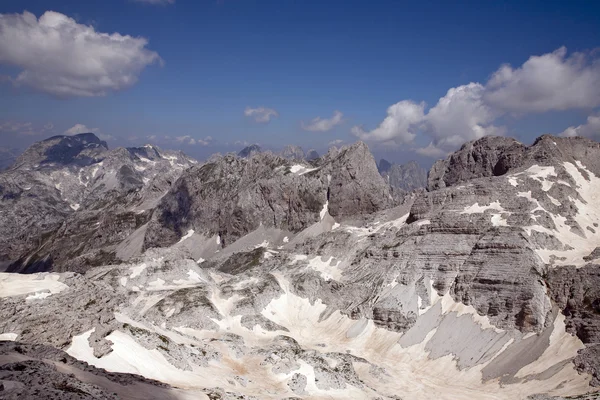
311,155
497,155
82,149
249,151
407,176
384,165
293,152
294,270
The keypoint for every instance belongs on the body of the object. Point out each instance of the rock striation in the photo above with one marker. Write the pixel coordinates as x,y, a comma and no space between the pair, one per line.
266,277
408,177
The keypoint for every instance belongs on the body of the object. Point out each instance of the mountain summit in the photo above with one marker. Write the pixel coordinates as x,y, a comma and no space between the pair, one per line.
276,278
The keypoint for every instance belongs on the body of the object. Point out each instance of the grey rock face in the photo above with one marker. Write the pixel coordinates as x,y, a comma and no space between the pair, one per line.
311,155
577,292
69,196
495,156
249,151
489,156
267,278
407,176
233,196
292,152
80,150
43,372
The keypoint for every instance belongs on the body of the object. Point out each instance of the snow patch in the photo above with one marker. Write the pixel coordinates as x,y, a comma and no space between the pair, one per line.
301,169
477,209
137,270
186,236
324,210
18,284
541,174
8,337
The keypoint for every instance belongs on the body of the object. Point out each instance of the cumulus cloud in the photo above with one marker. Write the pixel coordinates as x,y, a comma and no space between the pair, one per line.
261,114
16,127
319,124
24,128
399,125
550,82
81,128
336,142
187,139
460,116
590,129
431,150
58,56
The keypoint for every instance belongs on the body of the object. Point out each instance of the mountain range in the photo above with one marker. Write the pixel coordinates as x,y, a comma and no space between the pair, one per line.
141,273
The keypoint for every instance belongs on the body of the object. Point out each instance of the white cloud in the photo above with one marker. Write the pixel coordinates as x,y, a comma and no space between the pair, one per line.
551,81
21,128
460,116
590,129
261,114
81,128
187,139
431,151
319,124
56,55
399,125
336,142
241,143
24,128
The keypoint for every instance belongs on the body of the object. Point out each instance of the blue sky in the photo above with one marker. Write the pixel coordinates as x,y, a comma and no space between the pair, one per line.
206,62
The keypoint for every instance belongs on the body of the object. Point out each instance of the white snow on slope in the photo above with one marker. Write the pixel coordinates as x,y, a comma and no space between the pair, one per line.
476,208
19,284
408,370
324,210
137,270
588,213
326,268
540,174
8,337
301,169
187,235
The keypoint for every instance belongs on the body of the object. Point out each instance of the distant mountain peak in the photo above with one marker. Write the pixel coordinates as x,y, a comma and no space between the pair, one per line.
80,149
293,152
312,155
249,151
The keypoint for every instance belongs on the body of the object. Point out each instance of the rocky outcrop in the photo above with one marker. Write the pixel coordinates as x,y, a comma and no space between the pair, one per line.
274,278
233,196
249,151
495,156
577,292
311,155
79,150
69,201
292,152
409,176
489,156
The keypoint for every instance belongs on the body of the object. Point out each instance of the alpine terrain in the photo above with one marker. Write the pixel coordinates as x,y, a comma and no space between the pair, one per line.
139,273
